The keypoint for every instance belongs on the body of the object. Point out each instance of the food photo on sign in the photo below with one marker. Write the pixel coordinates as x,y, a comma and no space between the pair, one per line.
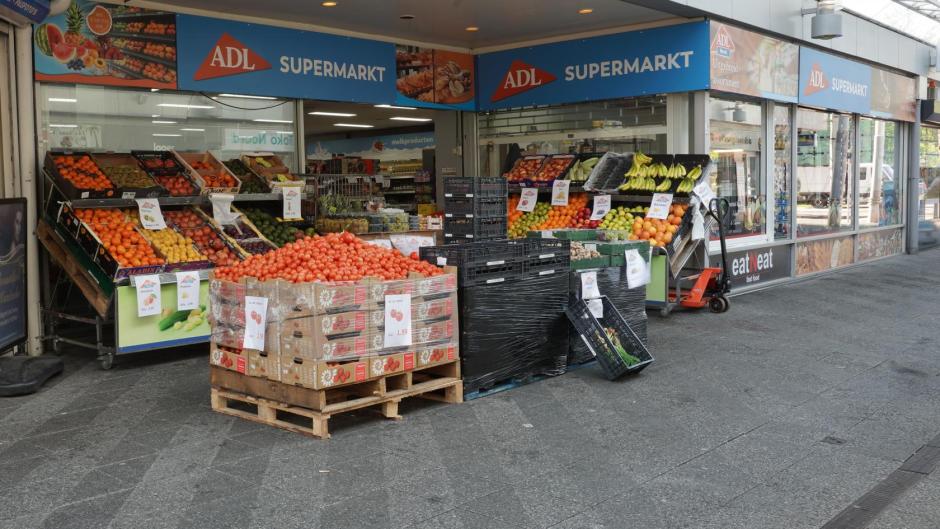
107,45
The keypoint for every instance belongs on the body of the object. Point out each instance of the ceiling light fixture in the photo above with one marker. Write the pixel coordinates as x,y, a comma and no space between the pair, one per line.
166,135
154,115
395,107
194,130
242,96
264,120
333,114
62,126
154,89
180,105
406,17
354,125
328,4
585,11
472,28
161,122
62,100
400,118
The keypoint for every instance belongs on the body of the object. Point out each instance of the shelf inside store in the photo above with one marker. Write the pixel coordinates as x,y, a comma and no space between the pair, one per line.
575,187
402,177
399,192
117,17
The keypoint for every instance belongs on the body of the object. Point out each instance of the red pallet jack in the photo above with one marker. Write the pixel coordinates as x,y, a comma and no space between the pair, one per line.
712,284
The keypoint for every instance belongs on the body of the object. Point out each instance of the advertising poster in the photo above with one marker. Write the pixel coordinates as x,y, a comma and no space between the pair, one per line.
873,245
12,272
406,146
753,267
748,63
255,59
103,44
168,328
893,96
817,256
650,61
434,78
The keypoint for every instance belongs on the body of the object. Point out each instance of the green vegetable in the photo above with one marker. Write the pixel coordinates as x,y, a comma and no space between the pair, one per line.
168,322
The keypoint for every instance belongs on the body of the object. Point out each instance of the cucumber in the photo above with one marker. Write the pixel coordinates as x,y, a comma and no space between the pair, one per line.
168,322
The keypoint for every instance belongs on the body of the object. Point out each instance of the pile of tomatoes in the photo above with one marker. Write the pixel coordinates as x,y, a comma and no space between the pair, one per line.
334,257
117,234
82,172
178,186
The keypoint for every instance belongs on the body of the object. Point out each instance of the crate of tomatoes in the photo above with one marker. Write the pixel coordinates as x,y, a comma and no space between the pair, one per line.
211,175
77,175
168,171
111,239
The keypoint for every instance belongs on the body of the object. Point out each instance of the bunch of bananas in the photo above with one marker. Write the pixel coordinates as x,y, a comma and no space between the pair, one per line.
688,183
581,169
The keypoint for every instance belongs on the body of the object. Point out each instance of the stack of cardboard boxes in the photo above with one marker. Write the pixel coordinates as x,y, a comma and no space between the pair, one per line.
322,335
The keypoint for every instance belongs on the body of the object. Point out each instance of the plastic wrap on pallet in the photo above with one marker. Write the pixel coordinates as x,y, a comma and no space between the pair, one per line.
630,302
513,330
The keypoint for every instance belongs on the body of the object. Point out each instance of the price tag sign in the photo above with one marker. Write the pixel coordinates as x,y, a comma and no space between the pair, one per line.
128,195
659,206
187,290
528,199
256,315
589,288
222,208
397,320
638,270
148,295
601,207
704,192
409,244
560,192
596,306
291,198
384,243
151,217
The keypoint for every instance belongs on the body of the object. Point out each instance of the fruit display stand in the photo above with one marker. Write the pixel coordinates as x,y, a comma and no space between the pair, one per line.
86,273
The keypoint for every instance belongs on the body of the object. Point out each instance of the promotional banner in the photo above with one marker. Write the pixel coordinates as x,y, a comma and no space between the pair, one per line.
389,147
103,44
650,61
26,10
434,78
257,140
816,256
748,63
758,266
12,272
875,244
168,328
832,82
229,56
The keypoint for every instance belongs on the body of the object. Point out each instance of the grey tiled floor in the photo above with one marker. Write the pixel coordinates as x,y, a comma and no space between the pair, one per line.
724,431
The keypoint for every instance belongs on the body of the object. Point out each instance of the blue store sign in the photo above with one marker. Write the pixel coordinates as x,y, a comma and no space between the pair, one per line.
828,81
651,61
227,56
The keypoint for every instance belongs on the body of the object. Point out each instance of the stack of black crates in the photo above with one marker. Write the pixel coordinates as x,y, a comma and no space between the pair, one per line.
513,296
474,209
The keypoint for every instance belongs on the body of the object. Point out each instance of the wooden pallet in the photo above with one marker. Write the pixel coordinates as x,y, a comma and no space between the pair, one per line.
308,411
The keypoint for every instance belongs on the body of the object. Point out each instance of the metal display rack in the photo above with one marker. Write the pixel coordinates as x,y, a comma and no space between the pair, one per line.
82,282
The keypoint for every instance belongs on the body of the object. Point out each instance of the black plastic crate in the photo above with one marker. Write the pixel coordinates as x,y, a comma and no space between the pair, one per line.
481,187
592,332
459,227
539,267
492,228
469,207
498,272
483,252
546,248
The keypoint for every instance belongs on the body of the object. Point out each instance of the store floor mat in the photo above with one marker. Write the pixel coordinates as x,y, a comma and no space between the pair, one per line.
308,411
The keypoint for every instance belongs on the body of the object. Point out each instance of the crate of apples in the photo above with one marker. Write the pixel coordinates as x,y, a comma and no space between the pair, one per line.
525,168
206,239
554,168
214,178
82,176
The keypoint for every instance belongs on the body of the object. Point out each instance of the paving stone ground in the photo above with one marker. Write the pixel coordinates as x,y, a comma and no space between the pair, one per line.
777,414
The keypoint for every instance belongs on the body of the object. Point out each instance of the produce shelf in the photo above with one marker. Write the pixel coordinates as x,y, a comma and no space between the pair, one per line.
163,39
151,58
118,17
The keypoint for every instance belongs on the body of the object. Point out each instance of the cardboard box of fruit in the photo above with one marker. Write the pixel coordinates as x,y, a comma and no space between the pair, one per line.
554,168
126,173
78,176
269,167
211,175
525,168
229,358
435,354
264,365
317,374
324,327
112,241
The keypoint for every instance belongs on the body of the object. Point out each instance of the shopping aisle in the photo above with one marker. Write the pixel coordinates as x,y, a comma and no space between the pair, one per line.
780,413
